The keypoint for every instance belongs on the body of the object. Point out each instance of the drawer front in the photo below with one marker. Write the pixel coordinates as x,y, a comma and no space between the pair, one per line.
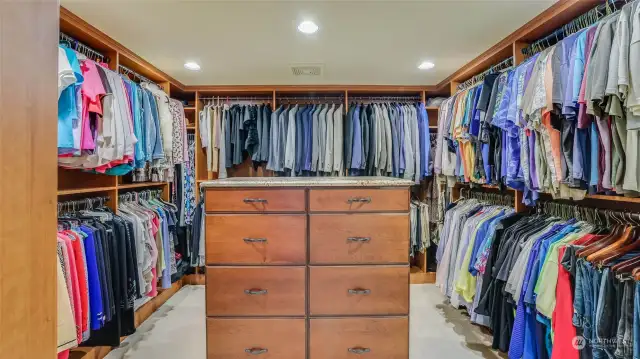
255,291
362,290
359,200
256,239
260,338
359,238
348,338
254,200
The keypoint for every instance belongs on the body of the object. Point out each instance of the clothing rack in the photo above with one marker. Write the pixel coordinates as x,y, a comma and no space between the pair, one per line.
403,99
144,194
505,199
127,71
311,99
598,216
76,205
501,66
583,21
82,48
228,99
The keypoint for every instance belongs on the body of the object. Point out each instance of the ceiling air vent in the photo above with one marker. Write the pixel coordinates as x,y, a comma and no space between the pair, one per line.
307,69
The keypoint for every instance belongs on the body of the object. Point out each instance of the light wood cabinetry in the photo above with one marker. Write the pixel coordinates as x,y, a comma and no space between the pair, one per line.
310,270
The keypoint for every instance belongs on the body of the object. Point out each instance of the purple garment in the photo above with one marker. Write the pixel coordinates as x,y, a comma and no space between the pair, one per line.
474,127
425,140
533,171
566,72
166,272
401,128
584,120
93,280
356,154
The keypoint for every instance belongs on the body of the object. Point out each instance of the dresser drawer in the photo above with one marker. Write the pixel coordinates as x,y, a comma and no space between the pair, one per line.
359,200
348,338
255,291
361,290
359,238
254,200
256,239
260,338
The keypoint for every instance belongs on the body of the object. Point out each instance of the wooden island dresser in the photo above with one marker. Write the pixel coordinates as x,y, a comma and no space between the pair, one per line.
307,268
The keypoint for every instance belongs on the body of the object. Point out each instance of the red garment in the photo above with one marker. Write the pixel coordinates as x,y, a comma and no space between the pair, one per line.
82,278
63,354
562,323
75,286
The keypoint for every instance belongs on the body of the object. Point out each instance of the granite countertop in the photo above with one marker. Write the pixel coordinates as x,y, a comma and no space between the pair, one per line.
308,182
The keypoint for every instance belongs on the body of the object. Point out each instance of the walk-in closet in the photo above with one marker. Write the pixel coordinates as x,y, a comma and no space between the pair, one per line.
320,179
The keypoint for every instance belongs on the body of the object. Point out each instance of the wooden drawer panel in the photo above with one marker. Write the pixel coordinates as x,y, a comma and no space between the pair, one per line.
254,200
260,338
257,291
256,239
359,238
348,338
361,290
359,200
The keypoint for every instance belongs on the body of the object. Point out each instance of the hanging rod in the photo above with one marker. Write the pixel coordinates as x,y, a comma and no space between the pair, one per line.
70,206
583,21
127,71
237,98
500,66
82,48
386,98
145,194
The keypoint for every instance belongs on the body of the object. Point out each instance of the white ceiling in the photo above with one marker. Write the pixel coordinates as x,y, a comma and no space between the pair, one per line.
359,42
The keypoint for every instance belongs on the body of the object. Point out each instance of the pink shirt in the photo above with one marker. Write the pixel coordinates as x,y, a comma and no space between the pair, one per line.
92,92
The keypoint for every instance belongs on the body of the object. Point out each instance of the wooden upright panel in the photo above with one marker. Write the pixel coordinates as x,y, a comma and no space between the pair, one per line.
28,107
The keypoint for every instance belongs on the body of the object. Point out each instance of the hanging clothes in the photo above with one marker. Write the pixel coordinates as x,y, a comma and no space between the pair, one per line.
109,124
107,261
319,139
562,122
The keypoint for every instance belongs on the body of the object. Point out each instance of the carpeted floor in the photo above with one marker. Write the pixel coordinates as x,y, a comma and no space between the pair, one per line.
177,329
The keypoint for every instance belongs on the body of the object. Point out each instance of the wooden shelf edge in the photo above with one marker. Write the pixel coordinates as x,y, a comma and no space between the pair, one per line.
141,185
65,192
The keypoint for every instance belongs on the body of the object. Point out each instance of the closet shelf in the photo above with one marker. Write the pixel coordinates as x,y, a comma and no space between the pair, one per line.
603,197
84,190
432,108
141,185
189,108
191,128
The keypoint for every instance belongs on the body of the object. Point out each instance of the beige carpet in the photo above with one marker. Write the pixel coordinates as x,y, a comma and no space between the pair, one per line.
177,329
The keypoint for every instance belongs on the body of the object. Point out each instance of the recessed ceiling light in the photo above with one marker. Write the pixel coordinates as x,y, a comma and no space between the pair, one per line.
191,66
308,27
426,65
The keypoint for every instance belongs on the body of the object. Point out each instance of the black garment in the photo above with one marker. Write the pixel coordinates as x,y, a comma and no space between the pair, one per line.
372,142
348,136
195,234
568,135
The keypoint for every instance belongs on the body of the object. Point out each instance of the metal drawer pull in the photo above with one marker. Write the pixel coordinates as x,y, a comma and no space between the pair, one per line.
254,240
359,350
255,291
359,199
255,351
360,291
359,239
255,200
